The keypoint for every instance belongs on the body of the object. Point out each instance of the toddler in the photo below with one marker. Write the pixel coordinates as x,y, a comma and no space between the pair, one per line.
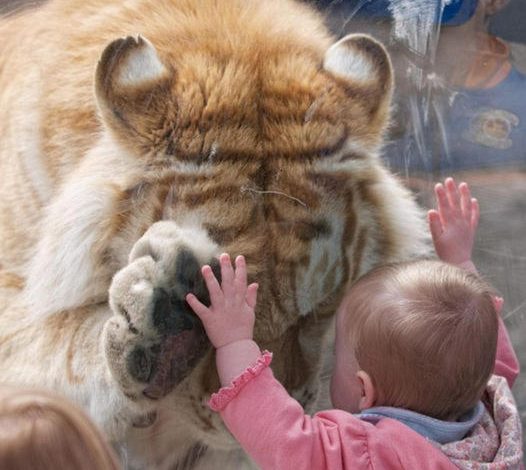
422,372
41,431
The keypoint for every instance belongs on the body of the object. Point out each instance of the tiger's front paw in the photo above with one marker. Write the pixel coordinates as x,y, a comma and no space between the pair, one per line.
154,340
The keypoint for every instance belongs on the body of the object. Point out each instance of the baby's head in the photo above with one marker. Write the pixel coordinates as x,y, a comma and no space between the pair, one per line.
420,336
39,427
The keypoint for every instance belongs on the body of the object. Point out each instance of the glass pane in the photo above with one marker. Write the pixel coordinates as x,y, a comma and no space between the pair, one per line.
459,109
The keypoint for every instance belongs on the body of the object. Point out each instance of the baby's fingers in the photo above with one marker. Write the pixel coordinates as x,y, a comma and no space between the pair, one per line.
453,195
214,289
227,274
252,294
443,207
199,309
241,274
475,213
465,200
435,224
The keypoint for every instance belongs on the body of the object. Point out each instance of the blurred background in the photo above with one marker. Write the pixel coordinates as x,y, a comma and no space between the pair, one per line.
460,109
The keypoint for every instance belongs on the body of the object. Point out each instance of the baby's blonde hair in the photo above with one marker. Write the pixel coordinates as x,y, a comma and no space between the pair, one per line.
41,431
426,333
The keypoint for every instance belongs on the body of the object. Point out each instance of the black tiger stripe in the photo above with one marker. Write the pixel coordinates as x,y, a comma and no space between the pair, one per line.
348,156
192,456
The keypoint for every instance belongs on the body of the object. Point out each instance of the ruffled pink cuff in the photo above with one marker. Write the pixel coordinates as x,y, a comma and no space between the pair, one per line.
218,401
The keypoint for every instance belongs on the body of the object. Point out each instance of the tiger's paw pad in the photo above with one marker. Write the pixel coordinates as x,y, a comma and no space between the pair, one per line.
154,340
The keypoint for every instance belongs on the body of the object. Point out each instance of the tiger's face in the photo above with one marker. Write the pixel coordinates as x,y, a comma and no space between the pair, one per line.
266,147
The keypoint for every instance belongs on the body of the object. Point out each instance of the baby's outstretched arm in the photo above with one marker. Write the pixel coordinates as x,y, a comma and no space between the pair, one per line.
454,223
269,424
453,226
229,321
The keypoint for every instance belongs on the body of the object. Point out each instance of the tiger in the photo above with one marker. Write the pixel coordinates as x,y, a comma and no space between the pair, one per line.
139,140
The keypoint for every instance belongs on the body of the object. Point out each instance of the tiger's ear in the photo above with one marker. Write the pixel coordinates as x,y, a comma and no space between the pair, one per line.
363,65
132,87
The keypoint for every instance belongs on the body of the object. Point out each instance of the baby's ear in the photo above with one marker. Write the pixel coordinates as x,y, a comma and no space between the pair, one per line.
368,390
132,87
362,63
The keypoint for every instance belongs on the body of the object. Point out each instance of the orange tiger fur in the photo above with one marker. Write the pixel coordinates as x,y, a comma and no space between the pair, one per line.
237,124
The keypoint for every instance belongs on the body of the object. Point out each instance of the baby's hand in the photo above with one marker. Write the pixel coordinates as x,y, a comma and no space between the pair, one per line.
230,317
454,224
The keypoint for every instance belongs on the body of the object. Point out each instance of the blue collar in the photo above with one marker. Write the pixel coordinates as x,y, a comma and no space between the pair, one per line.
437,430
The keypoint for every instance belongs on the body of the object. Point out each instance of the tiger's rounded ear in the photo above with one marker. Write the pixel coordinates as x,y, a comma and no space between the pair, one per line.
362,62
132,87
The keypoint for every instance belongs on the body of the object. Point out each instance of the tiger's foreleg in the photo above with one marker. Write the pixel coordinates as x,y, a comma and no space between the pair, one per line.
101,343
117,358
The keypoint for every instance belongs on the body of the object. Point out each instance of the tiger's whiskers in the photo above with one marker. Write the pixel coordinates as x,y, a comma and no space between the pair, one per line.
278,193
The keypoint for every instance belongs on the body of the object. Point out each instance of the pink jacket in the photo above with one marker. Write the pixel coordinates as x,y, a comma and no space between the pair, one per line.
273,429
